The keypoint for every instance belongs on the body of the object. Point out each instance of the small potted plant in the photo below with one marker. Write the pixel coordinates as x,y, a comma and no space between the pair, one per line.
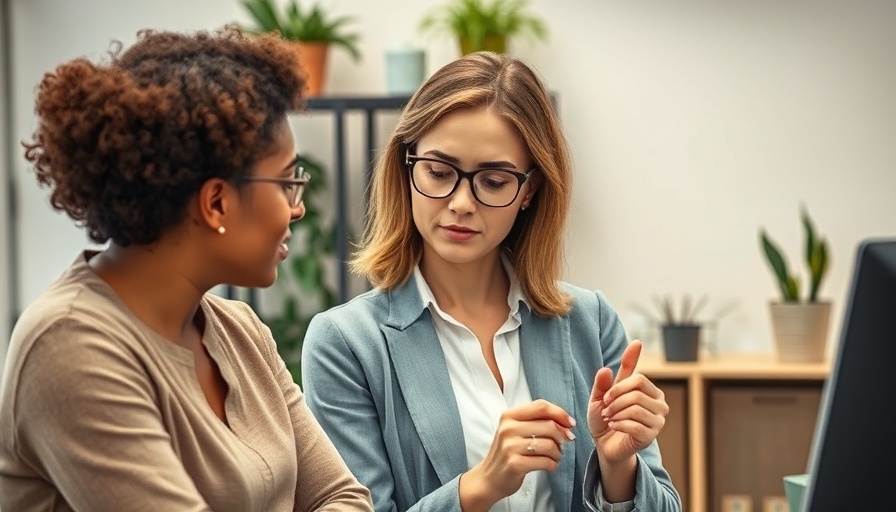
800,326
484,24
314,30
679,326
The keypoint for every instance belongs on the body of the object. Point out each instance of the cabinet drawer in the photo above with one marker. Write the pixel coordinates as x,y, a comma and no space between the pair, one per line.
757,435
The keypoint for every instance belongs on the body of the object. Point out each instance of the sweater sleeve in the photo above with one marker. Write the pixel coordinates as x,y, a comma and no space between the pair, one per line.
86,418
324,481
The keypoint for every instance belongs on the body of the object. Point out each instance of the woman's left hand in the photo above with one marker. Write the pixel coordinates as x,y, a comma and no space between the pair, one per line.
626,414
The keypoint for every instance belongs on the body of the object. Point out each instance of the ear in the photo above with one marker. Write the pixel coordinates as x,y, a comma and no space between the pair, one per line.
532,185
214,201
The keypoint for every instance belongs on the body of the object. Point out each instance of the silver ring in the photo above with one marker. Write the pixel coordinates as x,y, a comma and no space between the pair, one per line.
531,447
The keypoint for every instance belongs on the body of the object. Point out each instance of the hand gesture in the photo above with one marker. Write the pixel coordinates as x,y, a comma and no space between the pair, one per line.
626,414
529,438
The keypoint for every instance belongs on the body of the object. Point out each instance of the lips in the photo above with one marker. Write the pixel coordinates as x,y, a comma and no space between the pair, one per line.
460,229
283,249
459,233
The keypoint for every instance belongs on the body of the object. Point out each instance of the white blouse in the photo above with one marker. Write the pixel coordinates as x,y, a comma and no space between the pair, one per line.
479,398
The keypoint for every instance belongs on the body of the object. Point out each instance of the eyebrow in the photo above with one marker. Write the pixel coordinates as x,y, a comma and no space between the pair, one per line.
290,169
482,165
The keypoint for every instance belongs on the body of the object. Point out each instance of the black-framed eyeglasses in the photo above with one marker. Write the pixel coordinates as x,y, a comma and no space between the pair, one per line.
438,179
294,188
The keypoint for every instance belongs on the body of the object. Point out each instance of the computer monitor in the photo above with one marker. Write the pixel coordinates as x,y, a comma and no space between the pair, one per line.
853,459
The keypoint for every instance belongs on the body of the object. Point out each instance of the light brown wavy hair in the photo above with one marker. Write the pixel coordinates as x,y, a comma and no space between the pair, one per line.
124,145
391,245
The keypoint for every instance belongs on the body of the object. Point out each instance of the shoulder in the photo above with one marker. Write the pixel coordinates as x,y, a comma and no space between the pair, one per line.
238,326
366,311
357,327
75,304
232,313
588,303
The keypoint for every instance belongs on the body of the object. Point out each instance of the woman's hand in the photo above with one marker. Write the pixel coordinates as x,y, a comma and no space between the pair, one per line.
625,415
529,438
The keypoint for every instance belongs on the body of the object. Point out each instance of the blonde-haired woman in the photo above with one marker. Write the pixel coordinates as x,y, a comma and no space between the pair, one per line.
471,378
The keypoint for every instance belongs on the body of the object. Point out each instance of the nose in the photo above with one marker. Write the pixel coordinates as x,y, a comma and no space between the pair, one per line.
298,212
462,200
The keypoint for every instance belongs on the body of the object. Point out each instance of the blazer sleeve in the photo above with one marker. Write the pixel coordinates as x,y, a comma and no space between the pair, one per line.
653,486
340,396
324,482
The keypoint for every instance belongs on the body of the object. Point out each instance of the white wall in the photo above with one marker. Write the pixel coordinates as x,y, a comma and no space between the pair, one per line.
692,124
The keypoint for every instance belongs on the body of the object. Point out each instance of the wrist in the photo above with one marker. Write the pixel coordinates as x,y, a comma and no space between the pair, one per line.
618,478
474,493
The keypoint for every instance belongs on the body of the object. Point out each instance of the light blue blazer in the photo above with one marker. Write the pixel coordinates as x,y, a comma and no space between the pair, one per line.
375,377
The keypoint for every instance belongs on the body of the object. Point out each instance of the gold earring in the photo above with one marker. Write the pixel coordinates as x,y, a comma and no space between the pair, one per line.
221,230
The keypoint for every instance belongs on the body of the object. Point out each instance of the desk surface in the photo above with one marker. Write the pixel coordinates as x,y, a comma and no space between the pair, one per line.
732,366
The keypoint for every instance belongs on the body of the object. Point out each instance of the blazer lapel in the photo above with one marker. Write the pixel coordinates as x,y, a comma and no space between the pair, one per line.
422,374
544,344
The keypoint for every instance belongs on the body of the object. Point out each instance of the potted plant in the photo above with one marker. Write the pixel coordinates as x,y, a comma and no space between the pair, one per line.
484,24
314,30
800,327
679,327
302,281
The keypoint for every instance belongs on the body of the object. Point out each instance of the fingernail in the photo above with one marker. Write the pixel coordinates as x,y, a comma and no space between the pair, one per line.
605,413
570,435
607,398
572,421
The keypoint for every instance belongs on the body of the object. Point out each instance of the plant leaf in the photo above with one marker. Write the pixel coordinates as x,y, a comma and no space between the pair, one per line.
818,266
779,267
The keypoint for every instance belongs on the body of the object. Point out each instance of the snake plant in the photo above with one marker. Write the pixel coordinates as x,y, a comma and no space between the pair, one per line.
816,259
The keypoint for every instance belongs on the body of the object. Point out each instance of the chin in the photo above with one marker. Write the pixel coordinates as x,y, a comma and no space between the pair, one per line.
458,255
258,281
267,281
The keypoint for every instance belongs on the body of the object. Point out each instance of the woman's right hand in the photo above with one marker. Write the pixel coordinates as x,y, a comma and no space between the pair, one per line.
529,438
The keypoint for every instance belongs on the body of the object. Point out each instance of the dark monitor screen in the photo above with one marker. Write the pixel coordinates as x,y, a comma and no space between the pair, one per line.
853,462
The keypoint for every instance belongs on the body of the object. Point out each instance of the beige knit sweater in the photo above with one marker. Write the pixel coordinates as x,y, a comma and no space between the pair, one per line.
98,412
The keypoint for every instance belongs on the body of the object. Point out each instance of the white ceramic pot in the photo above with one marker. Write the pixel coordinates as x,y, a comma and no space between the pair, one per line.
801,330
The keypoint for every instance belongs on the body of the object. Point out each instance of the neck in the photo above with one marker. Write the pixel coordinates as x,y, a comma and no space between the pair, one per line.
471,286
152,284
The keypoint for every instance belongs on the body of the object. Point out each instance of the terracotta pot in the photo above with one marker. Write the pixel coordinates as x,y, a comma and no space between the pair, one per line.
801,330
312,58
497,44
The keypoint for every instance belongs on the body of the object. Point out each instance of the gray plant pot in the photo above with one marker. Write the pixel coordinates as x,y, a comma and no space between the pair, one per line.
800,331
681,342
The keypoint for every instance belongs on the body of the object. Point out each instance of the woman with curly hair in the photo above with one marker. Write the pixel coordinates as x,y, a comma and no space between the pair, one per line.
128,386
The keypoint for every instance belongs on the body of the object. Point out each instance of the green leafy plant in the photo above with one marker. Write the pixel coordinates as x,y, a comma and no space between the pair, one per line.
476,22
302,281
298,24
816,259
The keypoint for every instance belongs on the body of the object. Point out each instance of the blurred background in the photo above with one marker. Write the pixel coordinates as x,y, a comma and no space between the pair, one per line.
693,124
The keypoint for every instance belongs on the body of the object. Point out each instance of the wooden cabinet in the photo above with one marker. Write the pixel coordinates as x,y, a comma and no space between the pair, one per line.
737,425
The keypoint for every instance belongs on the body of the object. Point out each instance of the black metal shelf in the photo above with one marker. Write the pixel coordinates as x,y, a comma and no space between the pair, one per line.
340,106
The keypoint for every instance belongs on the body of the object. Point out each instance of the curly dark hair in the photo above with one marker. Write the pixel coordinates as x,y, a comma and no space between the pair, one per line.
124,145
